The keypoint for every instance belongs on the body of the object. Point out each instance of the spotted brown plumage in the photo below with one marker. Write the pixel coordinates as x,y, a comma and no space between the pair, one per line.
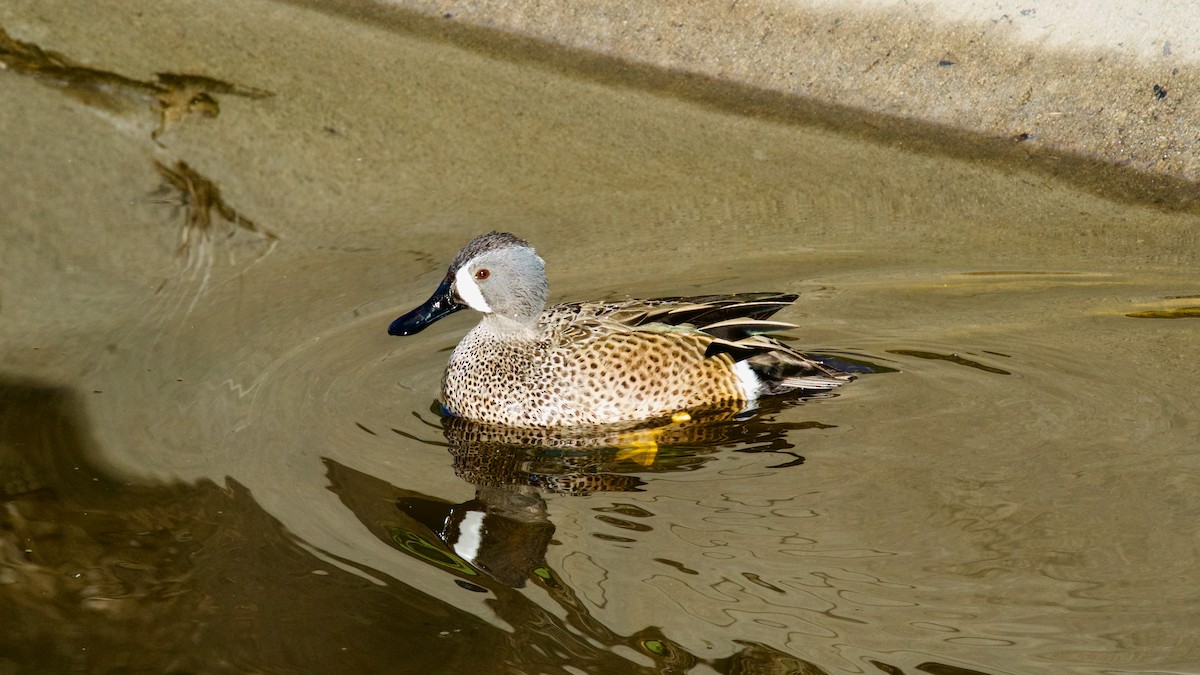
601,363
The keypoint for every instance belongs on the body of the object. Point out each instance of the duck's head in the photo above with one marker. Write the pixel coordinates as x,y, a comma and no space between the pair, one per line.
497,274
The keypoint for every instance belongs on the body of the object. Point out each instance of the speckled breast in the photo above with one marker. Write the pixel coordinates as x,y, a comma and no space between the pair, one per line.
601,380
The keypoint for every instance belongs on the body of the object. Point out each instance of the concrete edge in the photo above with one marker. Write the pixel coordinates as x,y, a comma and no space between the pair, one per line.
1120,142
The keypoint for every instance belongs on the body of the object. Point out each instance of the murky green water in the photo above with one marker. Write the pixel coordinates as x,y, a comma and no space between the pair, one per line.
214,458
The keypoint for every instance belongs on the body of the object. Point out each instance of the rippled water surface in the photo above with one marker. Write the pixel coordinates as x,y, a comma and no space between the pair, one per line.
214,459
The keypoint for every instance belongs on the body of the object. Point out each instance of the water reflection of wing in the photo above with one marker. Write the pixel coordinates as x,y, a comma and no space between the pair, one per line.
502,533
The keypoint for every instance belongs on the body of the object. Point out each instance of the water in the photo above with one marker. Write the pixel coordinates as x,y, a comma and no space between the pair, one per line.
217,460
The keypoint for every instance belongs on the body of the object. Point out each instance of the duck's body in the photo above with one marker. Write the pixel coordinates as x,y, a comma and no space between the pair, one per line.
601,363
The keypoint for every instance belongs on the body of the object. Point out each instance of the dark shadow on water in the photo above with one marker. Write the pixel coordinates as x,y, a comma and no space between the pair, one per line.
102,575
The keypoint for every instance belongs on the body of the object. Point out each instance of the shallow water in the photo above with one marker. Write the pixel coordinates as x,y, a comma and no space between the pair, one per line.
216,459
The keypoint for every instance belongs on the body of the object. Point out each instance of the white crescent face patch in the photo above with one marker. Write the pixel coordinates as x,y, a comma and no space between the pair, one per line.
468,290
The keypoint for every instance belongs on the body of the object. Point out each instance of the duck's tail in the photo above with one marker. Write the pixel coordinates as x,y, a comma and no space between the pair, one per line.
783,370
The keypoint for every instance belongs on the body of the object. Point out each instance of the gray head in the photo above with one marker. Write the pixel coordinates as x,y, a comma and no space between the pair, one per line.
497,274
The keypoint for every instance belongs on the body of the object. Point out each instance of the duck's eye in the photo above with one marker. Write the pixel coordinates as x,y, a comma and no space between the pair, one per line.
482,274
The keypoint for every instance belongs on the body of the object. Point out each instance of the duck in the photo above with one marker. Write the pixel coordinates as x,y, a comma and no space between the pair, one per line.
580,364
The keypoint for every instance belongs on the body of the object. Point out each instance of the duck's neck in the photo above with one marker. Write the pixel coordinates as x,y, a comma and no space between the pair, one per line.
505,328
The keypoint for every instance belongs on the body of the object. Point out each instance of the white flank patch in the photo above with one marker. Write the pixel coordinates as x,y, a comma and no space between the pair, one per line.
469,291
470,535
748,379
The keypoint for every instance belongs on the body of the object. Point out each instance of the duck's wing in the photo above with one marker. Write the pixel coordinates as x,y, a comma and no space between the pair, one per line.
694,311
731,322
737,325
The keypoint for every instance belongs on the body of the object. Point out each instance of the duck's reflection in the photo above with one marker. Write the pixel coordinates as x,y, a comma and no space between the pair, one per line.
503,533
497,541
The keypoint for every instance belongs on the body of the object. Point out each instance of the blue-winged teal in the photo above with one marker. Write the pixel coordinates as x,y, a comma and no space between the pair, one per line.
598,363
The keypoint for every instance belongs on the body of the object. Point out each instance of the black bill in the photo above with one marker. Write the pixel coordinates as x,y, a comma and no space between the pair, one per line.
441,303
